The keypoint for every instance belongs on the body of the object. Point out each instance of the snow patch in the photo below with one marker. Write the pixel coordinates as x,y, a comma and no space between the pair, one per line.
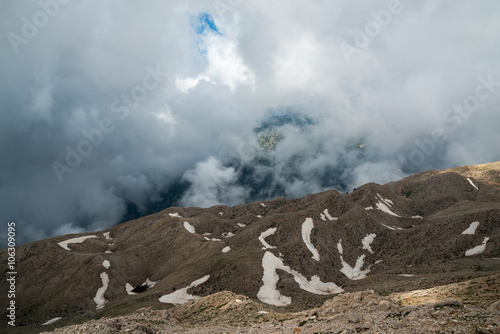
386,201
478,249
369,208
99,295
328,215
265,234
189,227
148,284
212,239
383,207
226,249
339,247
238,300
263,204
106,264
322,216
391,227
354,273
64,244
367,241
472,228
263,312
417,217
241,225
307,227
108,252
472,184
107,235
270,295
174,215
406,275
51,321
259,216
227,234
181,296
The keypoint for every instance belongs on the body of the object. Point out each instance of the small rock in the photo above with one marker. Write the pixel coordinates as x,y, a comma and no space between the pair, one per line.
384,305
353,318
495,307
449,302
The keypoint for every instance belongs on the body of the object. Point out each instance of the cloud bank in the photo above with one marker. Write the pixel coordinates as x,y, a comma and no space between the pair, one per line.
115,110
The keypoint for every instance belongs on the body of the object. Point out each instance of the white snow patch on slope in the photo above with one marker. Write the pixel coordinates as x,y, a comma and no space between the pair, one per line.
174,215
367,240
259,216
328,215
478,249
307,227
270,295
148,283
472,184
263,204
106,264
472,228
212,239
241,225
386,201
129,289
181,296
406,275
227,234
189,227
417,217
322,216
391,227
354,273
265,234
108,252
51,321
99,295
64,244
383,207
107,235
339,247
226,249
369,208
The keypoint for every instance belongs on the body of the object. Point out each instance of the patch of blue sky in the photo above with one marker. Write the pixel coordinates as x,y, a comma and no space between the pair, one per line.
204,24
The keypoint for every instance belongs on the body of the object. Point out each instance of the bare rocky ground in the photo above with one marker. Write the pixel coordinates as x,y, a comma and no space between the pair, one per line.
464,307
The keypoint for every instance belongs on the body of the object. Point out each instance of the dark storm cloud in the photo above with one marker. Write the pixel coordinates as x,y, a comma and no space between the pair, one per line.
163,109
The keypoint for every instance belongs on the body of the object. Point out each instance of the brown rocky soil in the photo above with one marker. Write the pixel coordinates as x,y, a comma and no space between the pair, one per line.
423,311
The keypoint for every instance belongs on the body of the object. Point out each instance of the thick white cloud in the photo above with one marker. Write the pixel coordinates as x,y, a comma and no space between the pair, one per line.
185,133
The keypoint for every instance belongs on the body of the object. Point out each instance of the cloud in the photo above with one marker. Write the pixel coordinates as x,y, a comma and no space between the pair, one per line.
212,184
193,97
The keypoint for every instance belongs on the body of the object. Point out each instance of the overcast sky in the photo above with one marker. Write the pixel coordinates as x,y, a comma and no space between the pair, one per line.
108,105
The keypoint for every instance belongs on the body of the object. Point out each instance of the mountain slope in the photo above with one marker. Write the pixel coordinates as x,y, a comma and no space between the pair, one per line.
432,228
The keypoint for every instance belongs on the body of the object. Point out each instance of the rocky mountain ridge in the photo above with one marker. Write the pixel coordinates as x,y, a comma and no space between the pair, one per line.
432,228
